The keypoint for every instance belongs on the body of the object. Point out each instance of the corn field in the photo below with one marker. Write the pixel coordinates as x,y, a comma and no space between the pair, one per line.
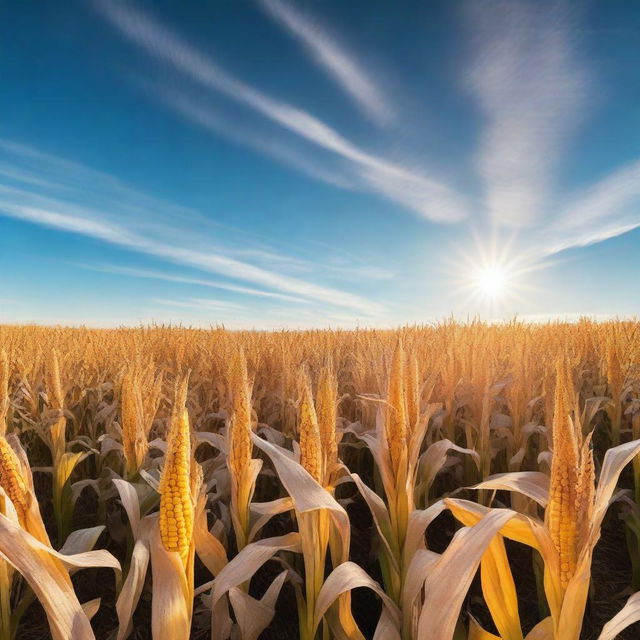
461,481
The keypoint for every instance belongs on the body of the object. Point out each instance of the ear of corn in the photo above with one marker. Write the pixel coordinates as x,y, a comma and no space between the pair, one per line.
176,504
12,480
561,513
310,440
572,486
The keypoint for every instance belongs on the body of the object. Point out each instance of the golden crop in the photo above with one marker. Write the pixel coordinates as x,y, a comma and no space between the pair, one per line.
241,469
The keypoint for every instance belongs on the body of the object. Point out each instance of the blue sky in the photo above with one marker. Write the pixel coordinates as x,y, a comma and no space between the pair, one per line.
274,164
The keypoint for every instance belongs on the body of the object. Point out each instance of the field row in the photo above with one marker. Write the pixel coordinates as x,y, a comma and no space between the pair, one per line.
431,483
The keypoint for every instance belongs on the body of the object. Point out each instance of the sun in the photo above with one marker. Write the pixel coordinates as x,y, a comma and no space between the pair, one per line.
491,281
488,276
491,276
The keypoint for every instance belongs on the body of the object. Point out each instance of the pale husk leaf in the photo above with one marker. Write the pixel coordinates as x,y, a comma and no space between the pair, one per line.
344,578
449,577
262,512
130,502
253,616
48,579
615,460
172,598
476,632
240,569
533,484
542,631
132,588
628,615
434,458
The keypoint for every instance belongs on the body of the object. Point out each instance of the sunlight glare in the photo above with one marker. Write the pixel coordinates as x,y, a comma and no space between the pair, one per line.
491,281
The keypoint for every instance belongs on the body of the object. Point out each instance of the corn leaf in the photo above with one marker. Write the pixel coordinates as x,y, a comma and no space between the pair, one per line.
476,632
533,484
519,528
449,577
344,578
253,616
262,512
48,579
306,493
614,461
499,590
81,540
418,522
380,515
132,588
434,458
239,570
542,631
208,547
172,601
628,615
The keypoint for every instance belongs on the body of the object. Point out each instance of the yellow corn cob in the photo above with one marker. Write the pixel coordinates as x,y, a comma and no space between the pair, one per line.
310,441
565,493
396,420
176,506
240,446
12,479
326,408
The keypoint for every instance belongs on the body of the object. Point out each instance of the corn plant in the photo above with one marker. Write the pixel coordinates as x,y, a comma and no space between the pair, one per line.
574,510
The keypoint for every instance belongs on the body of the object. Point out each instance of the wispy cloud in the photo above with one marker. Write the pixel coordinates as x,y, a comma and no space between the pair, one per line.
169,277
204,116
427,196
183,255
336,264
602,210
44,174
202,304
586,237
22,177
532,89
615,196
140,229
334,59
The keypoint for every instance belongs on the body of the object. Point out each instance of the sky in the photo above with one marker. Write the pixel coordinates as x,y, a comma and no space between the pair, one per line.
269,164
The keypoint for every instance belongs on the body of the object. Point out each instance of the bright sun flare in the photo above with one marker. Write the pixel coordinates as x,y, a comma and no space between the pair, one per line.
491,281
489,278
